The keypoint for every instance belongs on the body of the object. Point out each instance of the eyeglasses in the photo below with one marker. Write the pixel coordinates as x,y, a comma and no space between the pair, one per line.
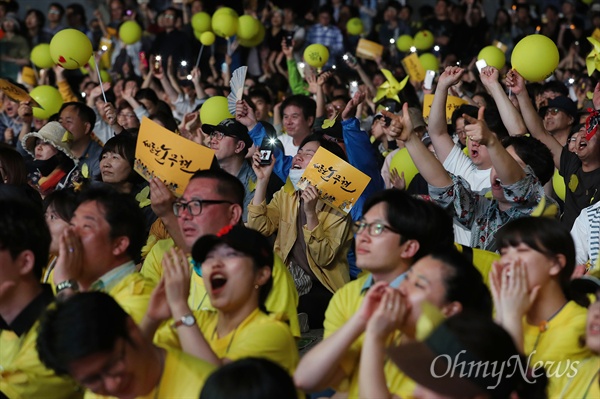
114,368
128,116
54,12
552,111
217,135
461,132
194,207
374,229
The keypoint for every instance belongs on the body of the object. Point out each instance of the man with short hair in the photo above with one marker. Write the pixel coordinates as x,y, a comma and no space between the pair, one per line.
298,115
54,17
79,120
327,34
261,99
396,230
100,249
212,200
24,245
108,354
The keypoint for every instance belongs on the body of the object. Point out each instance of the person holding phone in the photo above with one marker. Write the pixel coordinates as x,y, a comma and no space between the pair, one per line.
311,237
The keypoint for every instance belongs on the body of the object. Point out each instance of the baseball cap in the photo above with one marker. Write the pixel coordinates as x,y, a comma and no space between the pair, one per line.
564,104
232,128
240,238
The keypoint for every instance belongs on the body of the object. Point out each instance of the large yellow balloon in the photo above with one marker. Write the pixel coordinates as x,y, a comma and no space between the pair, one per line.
227,11
224,25
247,27
70,48
404,43
558,183
207,38
402,162
316,55
535,57
130,32
40,56
214,110
201,22
429,62
493,56
424,40
257,39
49,98
354,26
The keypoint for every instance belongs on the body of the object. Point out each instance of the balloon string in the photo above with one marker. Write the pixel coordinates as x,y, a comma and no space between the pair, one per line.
228,47
199,55
100,80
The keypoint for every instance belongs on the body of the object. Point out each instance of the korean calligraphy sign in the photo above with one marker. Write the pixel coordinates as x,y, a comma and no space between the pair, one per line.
452,103
339,184
168,156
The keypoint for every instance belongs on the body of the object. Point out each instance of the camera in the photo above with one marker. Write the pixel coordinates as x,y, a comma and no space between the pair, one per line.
266,151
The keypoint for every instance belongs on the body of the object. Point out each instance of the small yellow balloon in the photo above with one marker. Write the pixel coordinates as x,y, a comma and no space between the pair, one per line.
402,162
214,110
40,56
70,48
429,62
226,11
535,57
247,27
316,55
424,40
105,76
493,56
404,43
558,183
354,26
224,25
207,38
201,22
130,32
257,39
49,98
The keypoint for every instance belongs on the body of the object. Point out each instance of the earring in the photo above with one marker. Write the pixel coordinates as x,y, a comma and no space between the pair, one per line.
256,286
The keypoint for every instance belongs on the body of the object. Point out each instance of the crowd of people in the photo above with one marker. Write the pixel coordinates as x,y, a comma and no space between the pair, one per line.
486,261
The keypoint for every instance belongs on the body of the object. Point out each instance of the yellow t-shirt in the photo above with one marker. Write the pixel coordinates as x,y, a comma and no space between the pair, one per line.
132,293
283,297
345,302
557,348
582,380
257,336
22,374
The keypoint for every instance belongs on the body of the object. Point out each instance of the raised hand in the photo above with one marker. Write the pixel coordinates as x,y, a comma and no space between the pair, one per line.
350,110
489,76
161,199
177,275
310,195
263,172
515,82
245,114
371,301
69,264
391,314
401,127
397,181
450,77
477,130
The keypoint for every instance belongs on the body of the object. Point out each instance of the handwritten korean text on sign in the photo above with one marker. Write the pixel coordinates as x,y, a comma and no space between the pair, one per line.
452,103
339,184
168,156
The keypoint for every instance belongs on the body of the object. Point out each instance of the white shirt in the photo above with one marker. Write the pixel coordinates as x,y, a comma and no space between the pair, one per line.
288,145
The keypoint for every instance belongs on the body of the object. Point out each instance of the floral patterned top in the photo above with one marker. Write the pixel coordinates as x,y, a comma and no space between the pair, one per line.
480,214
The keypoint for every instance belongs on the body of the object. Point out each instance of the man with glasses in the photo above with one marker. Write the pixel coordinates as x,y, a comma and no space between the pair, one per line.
108,354
24,244
559,116
396,230
230,141
212,200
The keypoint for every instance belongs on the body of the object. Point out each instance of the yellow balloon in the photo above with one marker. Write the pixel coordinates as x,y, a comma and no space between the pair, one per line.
207,38
404,43
354,26
424,40
493,56
558,183
201,22
40,56
257,39
49,98
130,32
535,57
429,62
247,27
70,48
214,110
402,162
224,25
105,76
92,63
227,11
316,55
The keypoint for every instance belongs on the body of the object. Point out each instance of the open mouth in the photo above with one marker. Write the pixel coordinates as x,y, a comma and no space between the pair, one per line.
497,183
217,281
474,153
594,328
582,145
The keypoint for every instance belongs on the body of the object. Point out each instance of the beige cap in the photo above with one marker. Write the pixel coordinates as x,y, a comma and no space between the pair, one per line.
51,133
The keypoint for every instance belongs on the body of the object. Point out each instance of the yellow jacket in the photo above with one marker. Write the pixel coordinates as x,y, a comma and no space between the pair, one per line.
326,245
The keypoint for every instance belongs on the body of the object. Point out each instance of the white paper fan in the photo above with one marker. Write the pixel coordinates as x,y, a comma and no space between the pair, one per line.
237,88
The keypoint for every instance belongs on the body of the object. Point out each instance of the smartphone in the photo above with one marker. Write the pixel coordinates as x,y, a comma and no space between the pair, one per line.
350,59
157,63
266,151
353,88
429,76
224,67
480,65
